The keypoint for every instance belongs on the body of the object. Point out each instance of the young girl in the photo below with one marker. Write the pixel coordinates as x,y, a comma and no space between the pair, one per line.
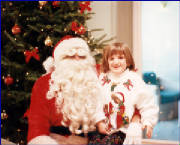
124,91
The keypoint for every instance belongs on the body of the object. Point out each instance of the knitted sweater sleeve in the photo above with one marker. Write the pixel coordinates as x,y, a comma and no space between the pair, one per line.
145,103
99,109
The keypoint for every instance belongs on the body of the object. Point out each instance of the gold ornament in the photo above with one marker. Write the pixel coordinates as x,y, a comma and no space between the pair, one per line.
48,41
10,4
21,142
65,29
4,115
42,3
18,130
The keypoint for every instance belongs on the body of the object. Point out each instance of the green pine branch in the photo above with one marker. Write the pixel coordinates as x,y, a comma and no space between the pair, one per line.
11,64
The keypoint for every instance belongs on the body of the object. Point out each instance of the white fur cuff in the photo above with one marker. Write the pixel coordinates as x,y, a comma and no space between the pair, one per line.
42,140
49,64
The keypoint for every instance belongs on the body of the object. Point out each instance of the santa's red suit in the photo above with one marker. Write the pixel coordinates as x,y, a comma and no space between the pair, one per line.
42,113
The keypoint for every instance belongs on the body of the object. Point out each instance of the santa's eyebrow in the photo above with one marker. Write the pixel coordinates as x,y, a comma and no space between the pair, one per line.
82,57
66,57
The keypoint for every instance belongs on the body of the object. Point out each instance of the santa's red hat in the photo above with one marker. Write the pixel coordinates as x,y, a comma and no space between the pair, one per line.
64,48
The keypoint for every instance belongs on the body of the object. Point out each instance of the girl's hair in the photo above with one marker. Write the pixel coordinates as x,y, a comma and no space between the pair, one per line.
117,48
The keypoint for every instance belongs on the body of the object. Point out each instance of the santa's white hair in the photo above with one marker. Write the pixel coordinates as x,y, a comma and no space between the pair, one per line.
75,86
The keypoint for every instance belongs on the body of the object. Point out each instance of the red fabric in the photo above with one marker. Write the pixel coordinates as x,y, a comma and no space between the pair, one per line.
98,69
42,113
33,53
119,120
136,112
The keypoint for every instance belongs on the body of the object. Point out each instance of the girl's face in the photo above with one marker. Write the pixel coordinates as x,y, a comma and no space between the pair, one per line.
117,63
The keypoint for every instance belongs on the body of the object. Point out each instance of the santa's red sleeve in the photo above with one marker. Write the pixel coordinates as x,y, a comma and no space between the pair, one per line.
39,113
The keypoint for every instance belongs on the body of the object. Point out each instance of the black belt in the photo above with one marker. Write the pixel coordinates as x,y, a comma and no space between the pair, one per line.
62,131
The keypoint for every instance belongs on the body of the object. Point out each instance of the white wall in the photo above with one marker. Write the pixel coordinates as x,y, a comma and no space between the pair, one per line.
115,17
103,18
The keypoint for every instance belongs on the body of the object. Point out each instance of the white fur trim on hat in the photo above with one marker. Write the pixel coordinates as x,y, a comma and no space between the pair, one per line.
42,140
48,64
63,48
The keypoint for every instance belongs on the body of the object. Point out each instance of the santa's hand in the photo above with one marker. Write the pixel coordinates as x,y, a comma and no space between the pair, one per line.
134,134
102,127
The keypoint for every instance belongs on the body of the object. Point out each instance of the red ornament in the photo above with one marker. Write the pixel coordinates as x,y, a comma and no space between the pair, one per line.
79,30
74,26
8,80
84,6
56,3
28,54
16,29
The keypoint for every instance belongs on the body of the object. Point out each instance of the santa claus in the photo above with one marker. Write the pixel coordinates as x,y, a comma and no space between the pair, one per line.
68,96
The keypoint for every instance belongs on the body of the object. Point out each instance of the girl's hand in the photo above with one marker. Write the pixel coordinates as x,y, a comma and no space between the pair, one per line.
102,127
149,131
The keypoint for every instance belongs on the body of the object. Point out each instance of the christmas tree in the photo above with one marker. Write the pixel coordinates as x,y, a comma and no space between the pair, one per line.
29,32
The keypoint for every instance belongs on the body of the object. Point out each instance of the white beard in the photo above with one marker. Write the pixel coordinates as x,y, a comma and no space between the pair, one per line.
77,90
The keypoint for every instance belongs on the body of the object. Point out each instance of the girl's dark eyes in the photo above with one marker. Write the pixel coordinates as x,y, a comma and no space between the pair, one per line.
120,57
